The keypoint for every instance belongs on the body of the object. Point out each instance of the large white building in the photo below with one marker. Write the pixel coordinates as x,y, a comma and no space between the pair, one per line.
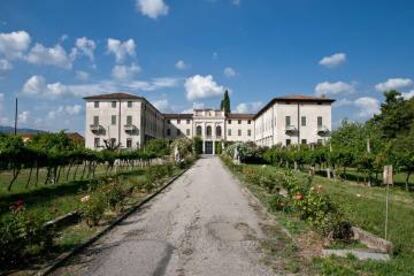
130,121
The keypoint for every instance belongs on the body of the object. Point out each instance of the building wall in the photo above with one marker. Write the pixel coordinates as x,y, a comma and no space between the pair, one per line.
266,129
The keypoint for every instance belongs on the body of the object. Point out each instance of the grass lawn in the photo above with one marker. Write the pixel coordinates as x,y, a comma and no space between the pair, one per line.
365,208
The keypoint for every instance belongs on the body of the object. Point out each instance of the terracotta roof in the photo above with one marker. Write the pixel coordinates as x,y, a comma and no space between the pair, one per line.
178,115
295,99
114,96
240,116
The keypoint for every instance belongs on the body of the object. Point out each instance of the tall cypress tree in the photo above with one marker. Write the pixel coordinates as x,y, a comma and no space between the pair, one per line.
225,103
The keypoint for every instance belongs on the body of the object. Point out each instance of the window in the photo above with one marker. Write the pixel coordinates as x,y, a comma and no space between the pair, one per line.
187,132
113,120
287,121
96,120
168,132
249,132
218,131
319,121
303,142
168,121
178,132
129,143
239,132
129,104
129,120
239,122
178,121
249,122
229,122
96,104
320,142
199,131
303,121
229,132
287,142
208,131
97,142
188,121
113,104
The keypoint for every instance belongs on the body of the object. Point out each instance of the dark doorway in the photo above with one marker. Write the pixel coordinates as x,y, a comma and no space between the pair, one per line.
209,147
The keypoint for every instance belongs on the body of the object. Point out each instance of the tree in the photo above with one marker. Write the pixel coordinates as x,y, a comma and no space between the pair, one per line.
225,103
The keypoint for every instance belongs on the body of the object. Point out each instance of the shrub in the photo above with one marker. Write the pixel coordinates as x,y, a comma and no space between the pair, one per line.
93,207
21,235
278,202
114,194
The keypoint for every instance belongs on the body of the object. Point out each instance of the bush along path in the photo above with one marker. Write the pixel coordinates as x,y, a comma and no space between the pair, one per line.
318,218
27,245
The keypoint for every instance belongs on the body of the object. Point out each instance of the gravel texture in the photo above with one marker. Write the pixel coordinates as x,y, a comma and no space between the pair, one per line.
203,224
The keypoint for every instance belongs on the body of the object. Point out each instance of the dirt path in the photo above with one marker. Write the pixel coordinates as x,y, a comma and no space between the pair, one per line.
203,224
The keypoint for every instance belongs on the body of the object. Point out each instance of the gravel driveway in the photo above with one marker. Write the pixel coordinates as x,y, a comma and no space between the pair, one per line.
203,224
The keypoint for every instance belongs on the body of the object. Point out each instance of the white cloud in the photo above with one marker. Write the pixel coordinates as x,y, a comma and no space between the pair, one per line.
229,72
121,49
333,88
198,87
37,86
82,75
14,44
248,107
408,95
56,56
368,106
123,72
65,110
342,102
5,65
333,60
181,65
86,46
395,83
152,8
23,117
196,105
162,105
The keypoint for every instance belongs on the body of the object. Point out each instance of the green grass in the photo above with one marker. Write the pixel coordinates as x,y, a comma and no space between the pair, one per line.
365,208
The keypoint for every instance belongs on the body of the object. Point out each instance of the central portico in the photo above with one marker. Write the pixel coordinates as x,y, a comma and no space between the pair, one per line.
209,125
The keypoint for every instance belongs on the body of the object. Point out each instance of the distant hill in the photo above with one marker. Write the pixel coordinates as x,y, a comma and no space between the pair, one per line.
8,129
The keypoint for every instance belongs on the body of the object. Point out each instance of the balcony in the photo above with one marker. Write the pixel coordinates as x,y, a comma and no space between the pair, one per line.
96,128
290,129
130,128
322,130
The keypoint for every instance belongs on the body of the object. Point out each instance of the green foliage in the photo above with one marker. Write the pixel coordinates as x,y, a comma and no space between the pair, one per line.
198,145
93,207
225,103
159,146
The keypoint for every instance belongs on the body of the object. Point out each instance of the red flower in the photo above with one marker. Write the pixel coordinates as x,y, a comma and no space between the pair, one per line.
298,196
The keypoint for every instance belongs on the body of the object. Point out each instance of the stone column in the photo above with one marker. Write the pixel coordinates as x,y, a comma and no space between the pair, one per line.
204,145
214,147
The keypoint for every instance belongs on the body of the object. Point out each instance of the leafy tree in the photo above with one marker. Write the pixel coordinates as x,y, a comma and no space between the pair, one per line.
225,103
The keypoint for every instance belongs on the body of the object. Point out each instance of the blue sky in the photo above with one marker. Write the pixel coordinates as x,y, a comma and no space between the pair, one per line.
184,53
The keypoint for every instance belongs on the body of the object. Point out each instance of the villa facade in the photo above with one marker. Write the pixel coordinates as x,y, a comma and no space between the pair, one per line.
130,121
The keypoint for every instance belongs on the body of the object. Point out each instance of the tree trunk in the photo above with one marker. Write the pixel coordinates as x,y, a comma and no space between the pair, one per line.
406,181
84,169
68,172
16,171
37,173
47,175
30,177
76,171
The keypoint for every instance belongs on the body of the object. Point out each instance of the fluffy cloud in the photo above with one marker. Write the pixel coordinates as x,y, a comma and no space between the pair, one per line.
152,8
181,65
333,60
14,44
333,88
198,87
121,49
229,72
56,56
162,105
368,106
82,75
5,65
395,83
248,107
408,95
196,105
86,47
65,110
123,72
342,102
37,86
24,117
